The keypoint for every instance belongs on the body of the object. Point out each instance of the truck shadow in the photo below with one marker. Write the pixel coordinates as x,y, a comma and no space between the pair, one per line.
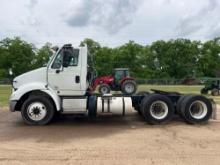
69,128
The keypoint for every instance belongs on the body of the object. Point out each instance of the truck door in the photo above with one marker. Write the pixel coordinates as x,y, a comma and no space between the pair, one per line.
64,72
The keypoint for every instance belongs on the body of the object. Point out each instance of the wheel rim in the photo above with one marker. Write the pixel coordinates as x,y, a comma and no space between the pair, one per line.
104,90
215,93
129,88
36,111
198,110
159,110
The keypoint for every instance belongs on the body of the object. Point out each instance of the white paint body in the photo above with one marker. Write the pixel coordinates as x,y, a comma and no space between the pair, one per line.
74,105
67,94
46,79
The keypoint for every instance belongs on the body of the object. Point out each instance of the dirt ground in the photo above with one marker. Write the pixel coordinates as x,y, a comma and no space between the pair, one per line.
109,140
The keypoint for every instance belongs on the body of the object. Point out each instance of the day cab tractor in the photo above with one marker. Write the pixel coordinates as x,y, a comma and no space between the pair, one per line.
119,81
62,87
213,85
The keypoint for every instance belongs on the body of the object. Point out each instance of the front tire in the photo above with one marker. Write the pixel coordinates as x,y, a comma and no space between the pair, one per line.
37,110
92,107
104,89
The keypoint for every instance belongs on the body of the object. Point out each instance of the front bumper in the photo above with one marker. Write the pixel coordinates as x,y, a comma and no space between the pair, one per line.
12,105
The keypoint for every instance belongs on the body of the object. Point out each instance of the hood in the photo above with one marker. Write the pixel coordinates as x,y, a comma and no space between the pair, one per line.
104,79
107,77
37,75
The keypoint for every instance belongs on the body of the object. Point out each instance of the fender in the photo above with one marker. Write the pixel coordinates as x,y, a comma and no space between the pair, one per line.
21,91
126,78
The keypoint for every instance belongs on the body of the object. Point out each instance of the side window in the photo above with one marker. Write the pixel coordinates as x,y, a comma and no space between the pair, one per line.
119,75
58,61
127,73
71,57
74,58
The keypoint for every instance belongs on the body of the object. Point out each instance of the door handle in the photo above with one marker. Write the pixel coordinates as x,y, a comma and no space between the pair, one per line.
57,71
77,79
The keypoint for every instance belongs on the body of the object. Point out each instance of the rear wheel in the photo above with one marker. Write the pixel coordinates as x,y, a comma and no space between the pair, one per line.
129,87
215,92
104,89
157,109
196,109
37,110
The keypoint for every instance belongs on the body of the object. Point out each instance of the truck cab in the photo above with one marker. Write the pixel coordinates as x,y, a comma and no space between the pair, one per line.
62,81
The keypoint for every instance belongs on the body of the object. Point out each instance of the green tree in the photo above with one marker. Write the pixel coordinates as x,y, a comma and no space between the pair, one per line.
126,56
209,61
92,45
177,58
104,61
102,57
146,62
162,59
42,55
15,55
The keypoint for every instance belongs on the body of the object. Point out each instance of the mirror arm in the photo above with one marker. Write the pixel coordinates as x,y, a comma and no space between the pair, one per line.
59,70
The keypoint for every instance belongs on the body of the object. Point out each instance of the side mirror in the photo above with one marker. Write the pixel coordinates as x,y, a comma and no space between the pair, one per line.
66,59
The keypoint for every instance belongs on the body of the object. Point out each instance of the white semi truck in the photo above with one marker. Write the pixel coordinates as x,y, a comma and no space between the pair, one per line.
63,87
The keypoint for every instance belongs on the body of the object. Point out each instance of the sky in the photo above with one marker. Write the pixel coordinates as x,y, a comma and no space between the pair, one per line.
110,22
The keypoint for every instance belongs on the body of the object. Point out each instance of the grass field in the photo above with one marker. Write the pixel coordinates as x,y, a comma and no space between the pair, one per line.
5,91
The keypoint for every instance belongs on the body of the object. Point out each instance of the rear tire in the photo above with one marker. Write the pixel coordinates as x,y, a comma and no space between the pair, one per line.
138,107
196,109
129,87
104,89
37,110
157,109
179,104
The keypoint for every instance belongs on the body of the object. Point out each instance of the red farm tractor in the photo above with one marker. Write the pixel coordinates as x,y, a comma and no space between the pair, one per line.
119,81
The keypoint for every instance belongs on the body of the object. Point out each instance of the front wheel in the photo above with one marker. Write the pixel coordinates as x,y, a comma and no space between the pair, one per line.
129,87
37,110
104,89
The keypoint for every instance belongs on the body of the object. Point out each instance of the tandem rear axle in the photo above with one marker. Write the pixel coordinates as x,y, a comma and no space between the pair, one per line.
157,107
